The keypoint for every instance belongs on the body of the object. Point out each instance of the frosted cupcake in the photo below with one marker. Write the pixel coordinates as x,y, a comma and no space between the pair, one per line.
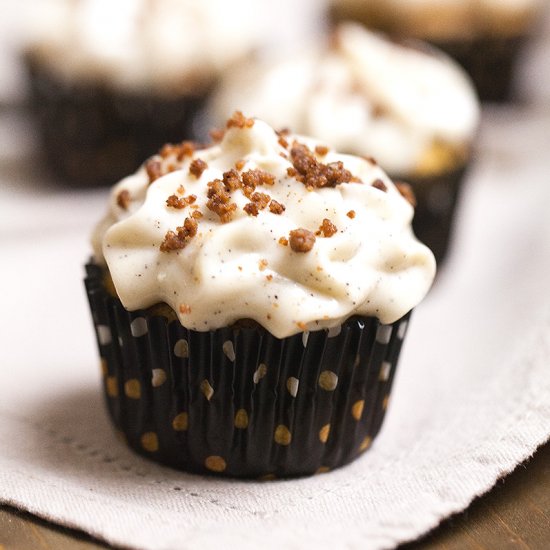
485,36
250,300
113,81
411,109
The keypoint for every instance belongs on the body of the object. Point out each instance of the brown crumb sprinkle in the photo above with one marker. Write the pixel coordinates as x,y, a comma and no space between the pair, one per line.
219,201
123,199
315,174
173,201
232,180
283,241
239,165
216,134
269,277
185,309
153,168
238,120
301,240
406,191
262,265
327,229
283,142
197,167
321,150
276,207
351,214
251,209
179,239
379,184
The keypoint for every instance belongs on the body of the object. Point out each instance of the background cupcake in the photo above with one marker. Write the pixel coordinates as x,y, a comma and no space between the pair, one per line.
410,108
113,81
245,325
484,36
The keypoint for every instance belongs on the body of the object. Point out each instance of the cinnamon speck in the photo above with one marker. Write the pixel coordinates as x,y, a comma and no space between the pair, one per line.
301,240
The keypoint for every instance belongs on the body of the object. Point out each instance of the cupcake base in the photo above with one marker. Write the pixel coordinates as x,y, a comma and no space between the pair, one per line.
92,135
237,401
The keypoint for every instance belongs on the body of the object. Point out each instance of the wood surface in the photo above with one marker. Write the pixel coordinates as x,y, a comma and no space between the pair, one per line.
515,515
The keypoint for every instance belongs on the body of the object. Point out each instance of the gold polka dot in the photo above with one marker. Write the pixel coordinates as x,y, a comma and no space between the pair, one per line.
241,419
357,409
328,380
150,442
282,435
103,366
292,386
324,433
385,402
207,389
322,470
215,464
260,372
180,422
158,378
267,477
111,384
365,444
132,388
181,349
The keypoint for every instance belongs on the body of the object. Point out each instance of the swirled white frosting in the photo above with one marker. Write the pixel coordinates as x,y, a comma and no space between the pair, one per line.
444,19
365,96
168,45
373,265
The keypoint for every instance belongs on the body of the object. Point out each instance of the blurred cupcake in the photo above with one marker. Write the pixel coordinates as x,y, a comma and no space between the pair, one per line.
112,81
410,108
484,36
246,327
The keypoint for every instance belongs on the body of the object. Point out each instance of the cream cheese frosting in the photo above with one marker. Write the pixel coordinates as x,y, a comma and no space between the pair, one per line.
168,45
367,96
167,241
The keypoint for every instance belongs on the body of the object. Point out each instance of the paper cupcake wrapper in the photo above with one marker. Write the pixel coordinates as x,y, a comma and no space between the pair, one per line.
434,216
92,135
490,62
238,401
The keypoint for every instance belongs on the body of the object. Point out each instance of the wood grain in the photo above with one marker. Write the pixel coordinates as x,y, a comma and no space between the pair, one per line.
515,515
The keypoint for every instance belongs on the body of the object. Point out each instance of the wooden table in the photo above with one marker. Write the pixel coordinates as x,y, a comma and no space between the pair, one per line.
514,515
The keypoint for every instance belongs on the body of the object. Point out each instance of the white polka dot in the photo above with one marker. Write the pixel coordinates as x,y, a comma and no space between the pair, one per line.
383,334
334,331
229,350
402,329
181,349
385,371
158,378
292,386
260,372
138,327
104,334
305,338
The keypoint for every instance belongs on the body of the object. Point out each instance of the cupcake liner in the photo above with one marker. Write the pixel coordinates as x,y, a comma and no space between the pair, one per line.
490,62
437,198
92,135
237,401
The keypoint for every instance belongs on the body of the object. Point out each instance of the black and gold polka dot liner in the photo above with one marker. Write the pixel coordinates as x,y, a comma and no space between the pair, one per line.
237,401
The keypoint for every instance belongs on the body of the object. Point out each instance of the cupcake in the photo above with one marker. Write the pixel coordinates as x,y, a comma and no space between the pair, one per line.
484,36
112,81
250,300
409,107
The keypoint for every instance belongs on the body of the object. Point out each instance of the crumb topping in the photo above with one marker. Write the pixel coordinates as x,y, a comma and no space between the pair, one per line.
314,174
181,237
219,201
216,134
239,165
351,214
283,241
197,167
321,150
153,167
407,192
123,199
238,120
326,229
301,240
276,207
173,201
379,184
